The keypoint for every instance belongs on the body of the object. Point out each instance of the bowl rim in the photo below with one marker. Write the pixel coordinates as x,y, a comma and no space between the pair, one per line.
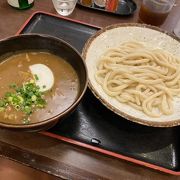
107,104
71,107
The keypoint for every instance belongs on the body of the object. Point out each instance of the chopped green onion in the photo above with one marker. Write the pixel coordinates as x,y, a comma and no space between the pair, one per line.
2,103
28,110
33,97
36,77
8,94
10,99
17,107
12,85
2,109
21,99
32,81
26,120
26,98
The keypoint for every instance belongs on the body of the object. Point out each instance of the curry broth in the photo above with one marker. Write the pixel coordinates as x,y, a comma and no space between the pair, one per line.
15,69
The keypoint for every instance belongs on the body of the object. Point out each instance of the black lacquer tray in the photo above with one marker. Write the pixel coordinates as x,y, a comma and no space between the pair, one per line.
124,7
93,126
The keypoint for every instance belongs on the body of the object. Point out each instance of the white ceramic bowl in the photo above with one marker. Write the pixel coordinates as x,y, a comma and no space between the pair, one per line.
114,35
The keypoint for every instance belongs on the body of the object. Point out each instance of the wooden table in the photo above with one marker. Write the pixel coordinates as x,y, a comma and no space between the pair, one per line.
56,157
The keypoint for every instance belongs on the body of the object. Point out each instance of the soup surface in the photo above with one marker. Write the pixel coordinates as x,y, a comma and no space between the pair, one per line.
15,74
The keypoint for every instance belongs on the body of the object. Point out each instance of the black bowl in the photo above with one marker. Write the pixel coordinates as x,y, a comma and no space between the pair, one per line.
55,46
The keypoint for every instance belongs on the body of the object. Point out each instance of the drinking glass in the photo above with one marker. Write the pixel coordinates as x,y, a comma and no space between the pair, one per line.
64,7
154,12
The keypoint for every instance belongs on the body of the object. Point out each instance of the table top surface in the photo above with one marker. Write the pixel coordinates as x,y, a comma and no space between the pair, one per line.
54,156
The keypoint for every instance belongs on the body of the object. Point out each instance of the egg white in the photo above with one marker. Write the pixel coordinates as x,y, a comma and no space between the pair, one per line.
45,77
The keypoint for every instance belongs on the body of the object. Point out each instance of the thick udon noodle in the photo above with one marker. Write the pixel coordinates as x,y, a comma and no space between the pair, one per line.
146,79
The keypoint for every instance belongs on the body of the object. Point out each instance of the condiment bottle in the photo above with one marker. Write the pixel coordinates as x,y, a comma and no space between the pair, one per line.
21,4
86,2
111,5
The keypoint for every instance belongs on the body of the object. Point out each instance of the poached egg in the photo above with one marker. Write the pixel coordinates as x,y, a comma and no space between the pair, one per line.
44,77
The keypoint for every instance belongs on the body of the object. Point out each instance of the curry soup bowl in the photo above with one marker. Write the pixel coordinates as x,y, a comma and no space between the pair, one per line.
42,79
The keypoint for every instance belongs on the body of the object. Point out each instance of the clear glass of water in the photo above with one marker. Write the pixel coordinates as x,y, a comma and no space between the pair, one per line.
64,7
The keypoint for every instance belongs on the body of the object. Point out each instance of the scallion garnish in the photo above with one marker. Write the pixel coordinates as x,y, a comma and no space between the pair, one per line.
26,98
36,77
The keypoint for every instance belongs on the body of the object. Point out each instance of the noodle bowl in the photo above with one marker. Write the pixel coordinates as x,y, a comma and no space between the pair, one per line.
143,78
